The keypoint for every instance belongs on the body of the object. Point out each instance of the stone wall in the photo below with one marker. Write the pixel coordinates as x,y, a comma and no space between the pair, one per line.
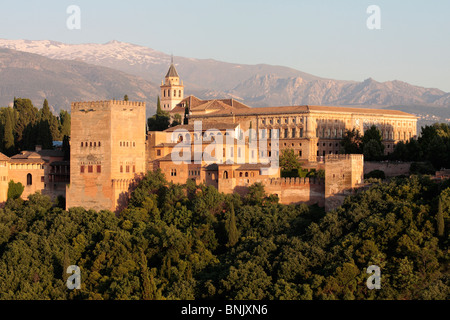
390,169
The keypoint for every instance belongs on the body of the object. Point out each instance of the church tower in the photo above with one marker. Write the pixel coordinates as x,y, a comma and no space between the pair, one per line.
172,91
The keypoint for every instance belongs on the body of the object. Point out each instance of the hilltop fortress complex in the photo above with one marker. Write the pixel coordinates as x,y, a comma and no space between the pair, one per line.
226,144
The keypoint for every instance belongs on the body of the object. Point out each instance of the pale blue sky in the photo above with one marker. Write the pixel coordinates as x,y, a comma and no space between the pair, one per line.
327,38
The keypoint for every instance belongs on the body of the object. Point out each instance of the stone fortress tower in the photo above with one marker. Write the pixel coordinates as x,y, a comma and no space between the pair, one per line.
172,91
107,153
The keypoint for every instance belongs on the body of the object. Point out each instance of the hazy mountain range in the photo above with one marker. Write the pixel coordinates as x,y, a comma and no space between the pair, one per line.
88,72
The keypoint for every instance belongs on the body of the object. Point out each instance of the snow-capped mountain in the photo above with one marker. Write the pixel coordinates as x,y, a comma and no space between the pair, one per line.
256,85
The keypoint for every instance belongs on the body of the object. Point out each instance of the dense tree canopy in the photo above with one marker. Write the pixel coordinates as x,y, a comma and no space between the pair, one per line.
24,126
192,242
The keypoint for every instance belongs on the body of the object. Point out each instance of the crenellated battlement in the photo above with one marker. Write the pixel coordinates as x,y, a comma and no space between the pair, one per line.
295,181
78,106
341,157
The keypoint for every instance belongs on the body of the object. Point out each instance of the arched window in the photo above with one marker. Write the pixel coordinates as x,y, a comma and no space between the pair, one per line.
82,143
246,174
29,179
95,144
164,92
225,174
179,93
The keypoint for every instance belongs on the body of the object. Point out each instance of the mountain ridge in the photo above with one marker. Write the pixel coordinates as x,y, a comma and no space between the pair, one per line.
61,82
257,85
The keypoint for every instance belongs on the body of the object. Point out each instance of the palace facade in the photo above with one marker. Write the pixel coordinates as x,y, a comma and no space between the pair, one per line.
225,143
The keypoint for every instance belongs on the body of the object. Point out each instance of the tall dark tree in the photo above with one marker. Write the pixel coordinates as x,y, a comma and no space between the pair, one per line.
373,148
8,135
43,137
186,113
64,119
47,116
159,121
66,148
351,143
24,131
125,98
440,219
230,226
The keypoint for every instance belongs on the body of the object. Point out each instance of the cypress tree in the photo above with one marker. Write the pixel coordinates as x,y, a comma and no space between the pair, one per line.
232,231
26,119
440,219
66,148
125,98
158,106
186,114
8,136
47,115
64,118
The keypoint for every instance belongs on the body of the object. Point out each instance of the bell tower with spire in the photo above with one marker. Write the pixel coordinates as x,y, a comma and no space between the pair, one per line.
172,91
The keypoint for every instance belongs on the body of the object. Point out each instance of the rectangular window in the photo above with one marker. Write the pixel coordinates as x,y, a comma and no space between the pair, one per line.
158,152
90,169
99,169
293,132
82,169
128,169
134,168
121,169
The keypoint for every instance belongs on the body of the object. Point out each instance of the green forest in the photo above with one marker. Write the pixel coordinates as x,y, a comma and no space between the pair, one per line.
192,242
23,126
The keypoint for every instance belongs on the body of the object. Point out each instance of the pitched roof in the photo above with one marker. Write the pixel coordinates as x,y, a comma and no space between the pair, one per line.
178,109
27,155
205,126
306,109
3,157
30,160
172,72
359,110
